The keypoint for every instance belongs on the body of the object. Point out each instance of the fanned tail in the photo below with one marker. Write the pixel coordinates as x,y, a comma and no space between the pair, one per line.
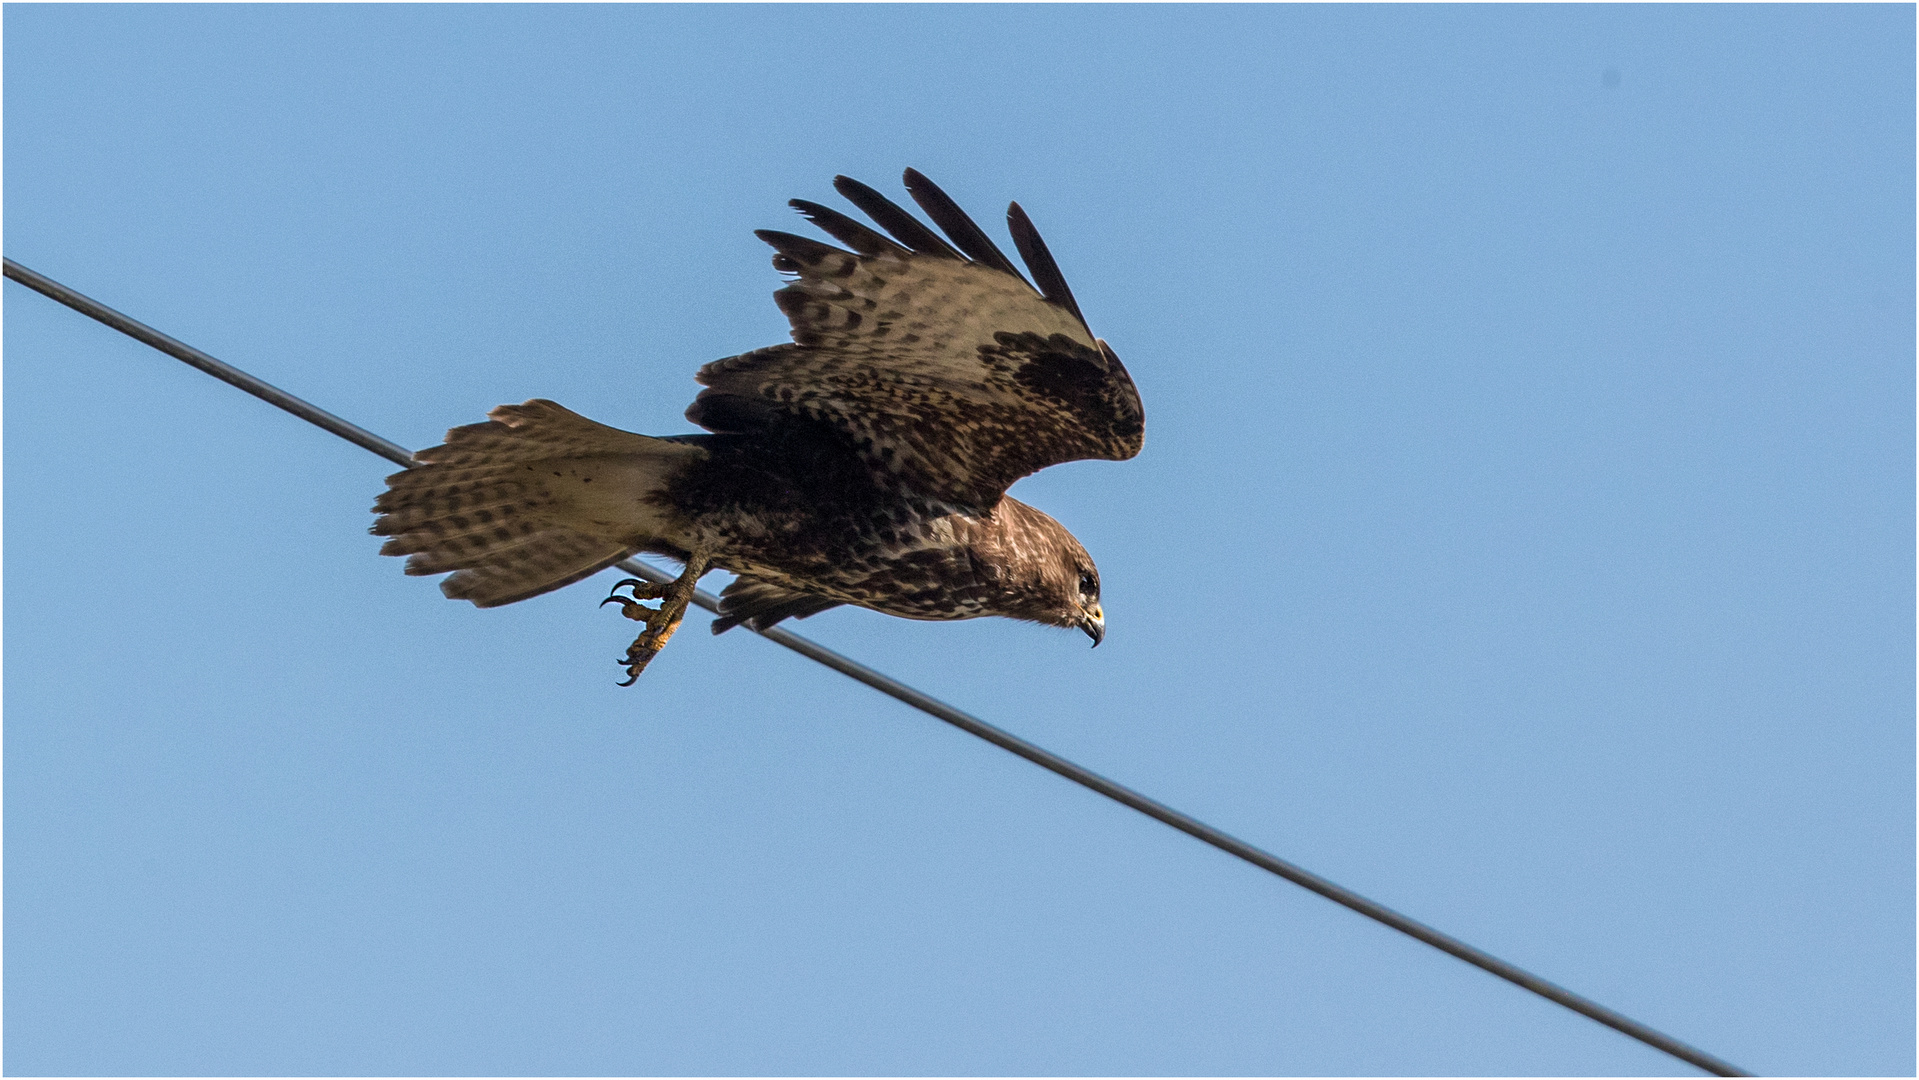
536,498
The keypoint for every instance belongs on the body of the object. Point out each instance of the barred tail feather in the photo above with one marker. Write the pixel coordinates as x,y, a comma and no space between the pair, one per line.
536,498
556,558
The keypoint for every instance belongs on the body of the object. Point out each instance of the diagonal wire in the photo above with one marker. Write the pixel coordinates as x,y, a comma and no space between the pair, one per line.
1006,740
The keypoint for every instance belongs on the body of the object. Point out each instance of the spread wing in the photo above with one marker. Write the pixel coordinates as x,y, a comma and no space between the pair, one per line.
936,361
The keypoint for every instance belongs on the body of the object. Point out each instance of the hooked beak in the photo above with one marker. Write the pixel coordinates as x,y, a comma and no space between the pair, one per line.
1095,625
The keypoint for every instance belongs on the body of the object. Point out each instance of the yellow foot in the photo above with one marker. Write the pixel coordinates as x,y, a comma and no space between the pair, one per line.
660,621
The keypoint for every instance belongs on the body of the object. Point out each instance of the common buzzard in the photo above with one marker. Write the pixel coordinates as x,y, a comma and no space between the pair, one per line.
865,463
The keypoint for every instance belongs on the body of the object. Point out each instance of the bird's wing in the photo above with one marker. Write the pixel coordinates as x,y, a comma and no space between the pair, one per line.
937,362
760,604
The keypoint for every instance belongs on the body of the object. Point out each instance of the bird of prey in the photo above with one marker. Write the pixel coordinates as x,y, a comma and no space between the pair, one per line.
865,463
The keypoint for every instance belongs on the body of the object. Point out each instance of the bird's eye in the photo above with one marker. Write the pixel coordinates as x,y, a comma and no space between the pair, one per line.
1088,584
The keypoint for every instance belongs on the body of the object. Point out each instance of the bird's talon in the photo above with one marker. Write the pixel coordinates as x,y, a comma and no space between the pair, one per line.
660,621
632,609
642,590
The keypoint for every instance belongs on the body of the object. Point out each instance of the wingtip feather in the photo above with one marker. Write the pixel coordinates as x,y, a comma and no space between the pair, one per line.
905,228
958,226
845,229
1046,272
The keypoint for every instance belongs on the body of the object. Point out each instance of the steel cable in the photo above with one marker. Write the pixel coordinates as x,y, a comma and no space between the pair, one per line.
931,706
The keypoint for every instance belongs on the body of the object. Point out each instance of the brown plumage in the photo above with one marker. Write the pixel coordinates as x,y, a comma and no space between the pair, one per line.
865,463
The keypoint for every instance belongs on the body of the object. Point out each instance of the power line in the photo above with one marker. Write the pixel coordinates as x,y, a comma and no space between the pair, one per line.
1006,740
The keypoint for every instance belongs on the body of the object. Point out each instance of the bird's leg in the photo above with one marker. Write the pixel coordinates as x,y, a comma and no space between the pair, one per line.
661,621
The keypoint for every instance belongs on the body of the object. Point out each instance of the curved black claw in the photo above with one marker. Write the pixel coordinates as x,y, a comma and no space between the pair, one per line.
635,665
629,581
632,609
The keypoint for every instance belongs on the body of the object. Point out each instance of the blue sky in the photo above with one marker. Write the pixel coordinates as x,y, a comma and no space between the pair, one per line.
1523,538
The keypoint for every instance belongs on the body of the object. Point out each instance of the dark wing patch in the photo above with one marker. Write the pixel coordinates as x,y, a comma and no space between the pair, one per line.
761,604
952,374
1074,379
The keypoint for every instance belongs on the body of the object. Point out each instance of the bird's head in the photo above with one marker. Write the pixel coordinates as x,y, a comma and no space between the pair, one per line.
1044,573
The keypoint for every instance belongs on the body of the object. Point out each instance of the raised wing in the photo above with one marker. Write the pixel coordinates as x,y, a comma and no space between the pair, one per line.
936,361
